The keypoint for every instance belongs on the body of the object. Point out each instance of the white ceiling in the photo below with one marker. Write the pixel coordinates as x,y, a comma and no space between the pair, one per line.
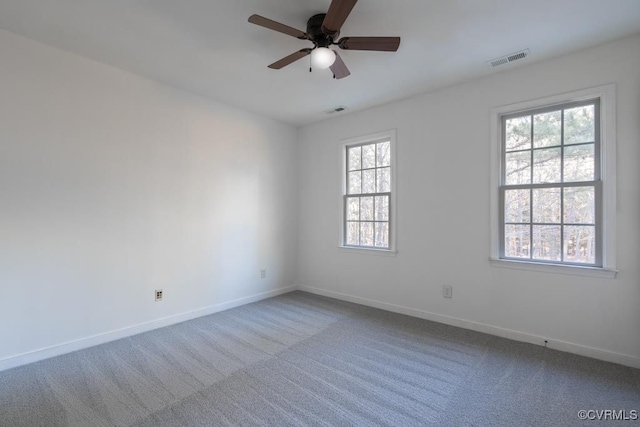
207,47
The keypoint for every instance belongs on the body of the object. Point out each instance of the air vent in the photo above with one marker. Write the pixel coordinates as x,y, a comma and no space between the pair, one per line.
338,109
517,56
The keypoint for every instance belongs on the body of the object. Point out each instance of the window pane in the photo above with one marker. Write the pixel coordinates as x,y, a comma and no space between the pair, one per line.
382,208
384,180
366,234
518,133
368,156
366,208
369,181
546,242
382,235
355,153
518,168
546,165
516,241
579,163
579,205
579,125
353,229
516,206
546,129
353,208
580,244
546,205
384,154
354,182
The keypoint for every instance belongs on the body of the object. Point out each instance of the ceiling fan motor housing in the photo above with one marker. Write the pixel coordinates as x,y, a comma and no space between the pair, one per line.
314,30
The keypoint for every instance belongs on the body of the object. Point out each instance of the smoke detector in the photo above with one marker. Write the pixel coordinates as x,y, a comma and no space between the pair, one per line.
508,59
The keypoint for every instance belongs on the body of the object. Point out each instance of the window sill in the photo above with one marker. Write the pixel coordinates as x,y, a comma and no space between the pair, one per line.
575,270
367,251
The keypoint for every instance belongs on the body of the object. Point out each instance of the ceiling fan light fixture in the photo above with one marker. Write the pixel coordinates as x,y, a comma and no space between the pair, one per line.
322,58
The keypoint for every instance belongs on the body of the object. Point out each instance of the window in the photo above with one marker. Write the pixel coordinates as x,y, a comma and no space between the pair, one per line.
556,193
367,196
551,189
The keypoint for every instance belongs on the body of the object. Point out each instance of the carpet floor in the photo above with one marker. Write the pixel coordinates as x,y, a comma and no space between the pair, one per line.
301,359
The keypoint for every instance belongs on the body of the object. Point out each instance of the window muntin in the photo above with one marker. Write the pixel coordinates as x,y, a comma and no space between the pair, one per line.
551,189
367,198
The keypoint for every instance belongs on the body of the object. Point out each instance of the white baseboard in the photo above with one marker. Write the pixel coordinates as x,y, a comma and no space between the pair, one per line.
68,347
57,350
595,353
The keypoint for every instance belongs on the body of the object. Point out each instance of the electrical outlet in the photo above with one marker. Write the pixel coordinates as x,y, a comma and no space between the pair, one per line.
447,291
158,295
263,273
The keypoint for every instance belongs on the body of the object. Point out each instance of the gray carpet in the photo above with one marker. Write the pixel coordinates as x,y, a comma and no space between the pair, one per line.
301,359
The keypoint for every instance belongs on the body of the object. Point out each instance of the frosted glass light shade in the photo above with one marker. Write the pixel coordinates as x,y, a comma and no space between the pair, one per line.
322,58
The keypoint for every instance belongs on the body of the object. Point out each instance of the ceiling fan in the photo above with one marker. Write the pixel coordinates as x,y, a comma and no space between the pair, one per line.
323,30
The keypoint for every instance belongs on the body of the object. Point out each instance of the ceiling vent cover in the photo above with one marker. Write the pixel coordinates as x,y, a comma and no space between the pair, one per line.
507,59
338,109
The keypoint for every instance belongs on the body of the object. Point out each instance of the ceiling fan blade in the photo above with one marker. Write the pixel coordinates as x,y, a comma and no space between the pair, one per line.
289,59
338,12
339,69
384,44
276,26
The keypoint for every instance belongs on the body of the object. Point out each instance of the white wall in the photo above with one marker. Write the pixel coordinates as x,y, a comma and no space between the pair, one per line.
112,186
443,213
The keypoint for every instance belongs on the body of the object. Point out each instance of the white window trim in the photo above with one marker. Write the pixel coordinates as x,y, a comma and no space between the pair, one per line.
607,95
393,211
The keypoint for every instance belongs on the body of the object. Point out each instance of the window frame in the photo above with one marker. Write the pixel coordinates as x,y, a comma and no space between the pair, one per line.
389,135
605,186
